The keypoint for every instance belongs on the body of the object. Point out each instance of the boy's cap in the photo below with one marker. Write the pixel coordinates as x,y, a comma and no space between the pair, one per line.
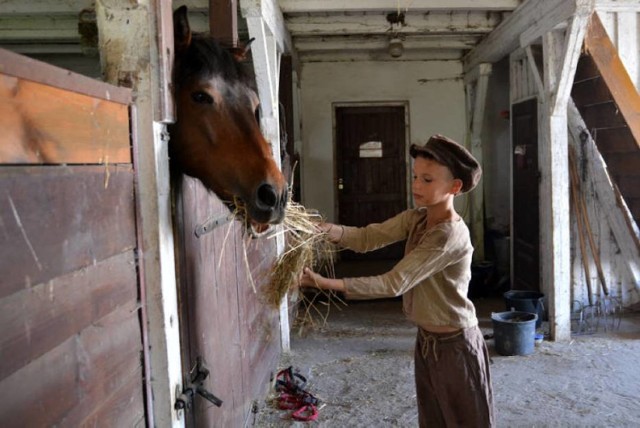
452,155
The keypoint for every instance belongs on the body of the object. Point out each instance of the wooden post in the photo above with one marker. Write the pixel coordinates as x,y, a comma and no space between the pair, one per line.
266,50
223,21
128,38
476,101
561,58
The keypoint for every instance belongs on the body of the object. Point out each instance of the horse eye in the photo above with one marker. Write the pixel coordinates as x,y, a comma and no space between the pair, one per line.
202,98
257,113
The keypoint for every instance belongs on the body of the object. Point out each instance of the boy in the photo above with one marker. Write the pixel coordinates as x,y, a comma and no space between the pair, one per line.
452,375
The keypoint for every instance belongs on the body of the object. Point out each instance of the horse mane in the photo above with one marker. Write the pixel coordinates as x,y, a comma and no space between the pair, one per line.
205,58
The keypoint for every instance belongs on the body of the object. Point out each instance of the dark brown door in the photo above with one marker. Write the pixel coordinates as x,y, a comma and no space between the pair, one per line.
371,171
526,259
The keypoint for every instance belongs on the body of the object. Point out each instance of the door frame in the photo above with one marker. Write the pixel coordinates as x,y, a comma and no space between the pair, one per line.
407,138
539,112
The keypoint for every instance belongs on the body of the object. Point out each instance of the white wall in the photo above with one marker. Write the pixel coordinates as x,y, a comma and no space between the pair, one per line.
434,91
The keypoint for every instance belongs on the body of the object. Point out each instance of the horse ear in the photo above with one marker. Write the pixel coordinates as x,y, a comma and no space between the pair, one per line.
240,53
181,29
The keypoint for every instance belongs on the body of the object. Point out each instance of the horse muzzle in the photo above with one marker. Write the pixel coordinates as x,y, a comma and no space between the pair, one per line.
268,204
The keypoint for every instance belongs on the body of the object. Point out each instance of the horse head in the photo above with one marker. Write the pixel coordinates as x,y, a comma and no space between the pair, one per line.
216,137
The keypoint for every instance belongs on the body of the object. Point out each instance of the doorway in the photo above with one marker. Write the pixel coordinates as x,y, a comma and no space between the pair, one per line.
526,175
371,174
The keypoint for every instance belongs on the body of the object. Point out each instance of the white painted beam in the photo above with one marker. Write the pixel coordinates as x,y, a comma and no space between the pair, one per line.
315,6
433,23
336,43
42,7
482,71
382,55
54,28
505,38
574,36
270,12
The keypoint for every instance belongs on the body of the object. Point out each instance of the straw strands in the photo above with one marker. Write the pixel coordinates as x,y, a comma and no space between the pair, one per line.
306,246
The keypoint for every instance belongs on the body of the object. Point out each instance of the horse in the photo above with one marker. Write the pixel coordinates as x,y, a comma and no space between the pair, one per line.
216,137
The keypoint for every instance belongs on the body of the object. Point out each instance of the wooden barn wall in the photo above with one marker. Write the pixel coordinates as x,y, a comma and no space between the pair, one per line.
71,340
615,263
223,320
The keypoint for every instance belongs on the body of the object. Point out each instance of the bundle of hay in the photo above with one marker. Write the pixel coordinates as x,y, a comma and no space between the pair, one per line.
306,246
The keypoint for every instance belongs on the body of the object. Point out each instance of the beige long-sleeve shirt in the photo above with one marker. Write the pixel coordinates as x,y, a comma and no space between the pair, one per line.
433,277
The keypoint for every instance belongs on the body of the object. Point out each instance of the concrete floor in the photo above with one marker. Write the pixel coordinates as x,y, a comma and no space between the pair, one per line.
359,363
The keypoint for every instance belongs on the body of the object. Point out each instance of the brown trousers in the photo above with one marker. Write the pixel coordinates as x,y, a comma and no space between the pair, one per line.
453,382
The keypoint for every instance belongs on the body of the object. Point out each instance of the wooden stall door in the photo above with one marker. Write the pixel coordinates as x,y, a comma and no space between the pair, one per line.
71,343
222,319
526,258
371,170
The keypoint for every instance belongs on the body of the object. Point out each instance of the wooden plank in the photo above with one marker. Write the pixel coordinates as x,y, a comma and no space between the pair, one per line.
70,222
110,371
125,408
75,378
43,124
12,64
37,319
606,57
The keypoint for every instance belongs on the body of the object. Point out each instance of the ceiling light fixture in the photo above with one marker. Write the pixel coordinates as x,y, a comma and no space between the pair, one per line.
396,48
396,22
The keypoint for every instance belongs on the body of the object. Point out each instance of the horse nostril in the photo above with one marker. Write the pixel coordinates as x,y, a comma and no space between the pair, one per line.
267,196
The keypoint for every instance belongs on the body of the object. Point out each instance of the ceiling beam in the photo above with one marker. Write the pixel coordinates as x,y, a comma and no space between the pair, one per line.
44,7
435,23
336,43
314,6
382,55
52,28
526,19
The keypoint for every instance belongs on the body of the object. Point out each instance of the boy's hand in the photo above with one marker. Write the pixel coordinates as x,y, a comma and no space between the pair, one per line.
310,279
314,280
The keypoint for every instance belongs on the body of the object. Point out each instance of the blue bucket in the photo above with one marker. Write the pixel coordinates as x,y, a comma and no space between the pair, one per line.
525,301
514,332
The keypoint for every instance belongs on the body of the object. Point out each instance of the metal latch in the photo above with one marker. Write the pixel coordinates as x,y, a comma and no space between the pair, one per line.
212,223
198,375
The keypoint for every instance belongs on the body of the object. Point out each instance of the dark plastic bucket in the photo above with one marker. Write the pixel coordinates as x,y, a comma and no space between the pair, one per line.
514,332
525,301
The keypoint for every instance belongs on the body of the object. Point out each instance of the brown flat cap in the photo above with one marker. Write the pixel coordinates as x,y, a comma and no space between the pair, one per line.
452,155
